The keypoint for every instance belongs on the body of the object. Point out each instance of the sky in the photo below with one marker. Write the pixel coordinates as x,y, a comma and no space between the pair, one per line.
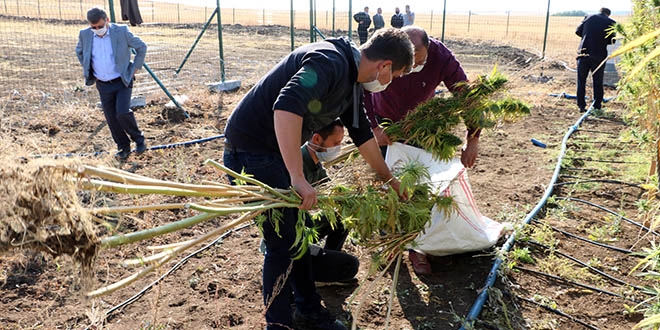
489,6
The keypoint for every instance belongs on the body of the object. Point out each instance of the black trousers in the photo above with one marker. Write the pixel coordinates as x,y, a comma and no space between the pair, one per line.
586,64
364,34
116,102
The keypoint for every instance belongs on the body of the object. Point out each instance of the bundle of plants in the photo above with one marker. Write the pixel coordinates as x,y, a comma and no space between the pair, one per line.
479,104
40,210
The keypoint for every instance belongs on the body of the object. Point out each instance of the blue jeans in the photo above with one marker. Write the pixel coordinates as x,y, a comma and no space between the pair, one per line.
585,64
270,169
116,101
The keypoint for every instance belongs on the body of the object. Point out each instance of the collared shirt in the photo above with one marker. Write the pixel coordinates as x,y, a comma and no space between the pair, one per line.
405,93
408,18
316,82
103,60
379,22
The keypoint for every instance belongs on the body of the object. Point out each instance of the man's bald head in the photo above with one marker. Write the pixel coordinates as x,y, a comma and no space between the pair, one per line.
418,36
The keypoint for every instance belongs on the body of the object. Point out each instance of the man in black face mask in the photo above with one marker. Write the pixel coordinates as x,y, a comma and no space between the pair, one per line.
397,19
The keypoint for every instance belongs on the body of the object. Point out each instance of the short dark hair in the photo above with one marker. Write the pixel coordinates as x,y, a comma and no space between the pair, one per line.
96,14
390,44
606,11
329,129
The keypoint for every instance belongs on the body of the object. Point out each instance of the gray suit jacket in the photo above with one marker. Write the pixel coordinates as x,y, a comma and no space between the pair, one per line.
122,41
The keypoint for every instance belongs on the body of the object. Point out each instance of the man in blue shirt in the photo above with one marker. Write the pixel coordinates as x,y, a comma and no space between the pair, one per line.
104,51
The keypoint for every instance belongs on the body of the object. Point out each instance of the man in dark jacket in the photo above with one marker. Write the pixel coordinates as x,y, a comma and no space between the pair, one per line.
397,19
379,22
364,21
595,33
305,92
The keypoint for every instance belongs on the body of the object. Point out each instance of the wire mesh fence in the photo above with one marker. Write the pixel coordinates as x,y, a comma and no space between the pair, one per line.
39,39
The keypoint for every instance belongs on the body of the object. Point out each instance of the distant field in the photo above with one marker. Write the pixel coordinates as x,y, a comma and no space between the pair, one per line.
522,31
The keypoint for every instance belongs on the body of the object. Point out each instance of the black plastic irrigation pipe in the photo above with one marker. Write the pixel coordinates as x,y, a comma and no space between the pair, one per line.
152,148
582,285
170,271
591,268
599,181
611,247
492,275
602,208
558,312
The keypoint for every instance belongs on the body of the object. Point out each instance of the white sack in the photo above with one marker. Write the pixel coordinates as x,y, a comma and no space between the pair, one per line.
465,229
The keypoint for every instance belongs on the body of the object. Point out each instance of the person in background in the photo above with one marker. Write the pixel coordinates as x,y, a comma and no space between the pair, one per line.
379,22
330,265
408,17
306,91
104,51
364,21
434,64
397,19
595,33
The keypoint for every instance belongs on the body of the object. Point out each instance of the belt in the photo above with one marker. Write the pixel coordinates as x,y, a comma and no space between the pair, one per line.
118,79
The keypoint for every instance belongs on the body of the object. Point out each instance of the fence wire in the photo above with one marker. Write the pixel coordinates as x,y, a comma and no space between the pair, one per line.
39,39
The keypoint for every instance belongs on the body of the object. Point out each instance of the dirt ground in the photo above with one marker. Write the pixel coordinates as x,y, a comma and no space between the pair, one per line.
220,288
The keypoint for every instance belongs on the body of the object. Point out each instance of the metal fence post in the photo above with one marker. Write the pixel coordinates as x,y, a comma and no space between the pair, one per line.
81,9
350,19
178,13
59,3
18,10
508,16
444,17
311,21
292,27
333,18
469,18
111,8
220,50
263,16
233,16
153,11
38,9
6,12
545,34
431,22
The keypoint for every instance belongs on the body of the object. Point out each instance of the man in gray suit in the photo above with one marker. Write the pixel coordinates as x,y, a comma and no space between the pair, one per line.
104,51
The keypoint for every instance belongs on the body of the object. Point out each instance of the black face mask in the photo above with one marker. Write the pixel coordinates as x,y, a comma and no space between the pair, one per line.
397,12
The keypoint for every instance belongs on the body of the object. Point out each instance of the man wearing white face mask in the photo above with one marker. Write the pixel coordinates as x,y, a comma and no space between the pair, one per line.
104,51
434,64
306,91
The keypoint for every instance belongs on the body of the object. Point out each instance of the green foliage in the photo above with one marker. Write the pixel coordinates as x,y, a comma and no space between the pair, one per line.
521,255
379,218
478,104
578,13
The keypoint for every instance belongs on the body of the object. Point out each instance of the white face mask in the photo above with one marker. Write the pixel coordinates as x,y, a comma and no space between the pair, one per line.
329,154
375,86
417,68
101,32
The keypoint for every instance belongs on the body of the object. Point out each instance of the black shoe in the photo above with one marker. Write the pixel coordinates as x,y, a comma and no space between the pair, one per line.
141,148
319,320
583,110
123,154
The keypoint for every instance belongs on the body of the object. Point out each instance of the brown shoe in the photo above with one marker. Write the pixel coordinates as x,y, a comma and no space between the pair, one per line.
420,263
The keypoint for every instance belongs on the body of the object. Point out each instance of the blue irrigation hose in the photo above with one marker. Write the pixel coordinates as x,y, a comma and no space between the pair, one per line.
158,147
492,275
